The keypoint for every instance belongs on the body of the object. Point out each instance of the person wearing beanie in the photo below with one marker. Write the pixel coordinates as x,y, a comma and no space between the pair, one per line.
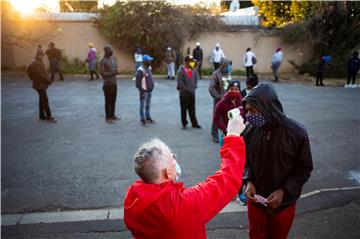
217,88
40,80
250,83
145,84
216,56
198,56
187,78
108,71
275,63
91,60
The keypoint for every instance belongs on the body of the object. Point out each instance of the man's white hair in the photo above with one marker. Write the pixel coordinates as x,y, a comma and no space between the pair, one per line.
150,161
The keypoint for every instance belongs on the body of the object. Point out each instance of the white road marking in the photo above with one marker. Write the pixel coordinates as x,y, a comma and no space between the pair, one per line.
113,213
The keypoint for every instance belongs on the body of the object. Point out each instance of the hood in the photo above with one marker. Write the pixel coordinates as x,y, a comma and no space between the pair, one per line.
108,50
141,195
223,64
264,98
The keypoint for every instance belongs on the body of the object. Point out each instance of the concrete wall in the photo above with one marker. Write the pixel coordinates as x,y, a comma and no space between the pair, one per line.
234,45
73,38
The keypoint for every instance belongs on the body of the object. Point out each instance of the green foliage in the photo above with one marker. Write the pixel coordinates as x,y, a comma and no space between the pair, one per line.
73,66
152,25
281,13
78,6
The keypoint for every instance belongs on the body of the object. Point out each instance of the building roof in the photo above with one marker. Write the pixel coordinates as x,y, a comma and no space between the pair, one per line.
62,16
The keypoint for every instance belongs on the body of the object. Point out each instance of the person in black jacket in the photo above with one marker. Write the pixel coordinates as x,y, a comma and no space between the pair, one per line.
279,162
198,56
353,67
54,56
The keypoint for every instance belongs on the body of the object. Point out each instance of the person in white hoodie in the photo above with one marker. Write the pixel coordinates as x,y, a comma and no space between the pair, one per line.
249,62
216,56
276,62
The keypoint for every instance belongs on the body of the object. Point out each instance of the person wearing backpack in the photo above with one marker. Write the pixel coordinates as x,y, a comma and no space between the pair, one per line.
36,71
145,84
54,56
249,62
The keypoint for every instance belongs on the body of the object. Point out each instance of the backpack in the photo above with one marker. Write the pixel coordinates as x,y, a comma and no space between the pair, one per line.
253,60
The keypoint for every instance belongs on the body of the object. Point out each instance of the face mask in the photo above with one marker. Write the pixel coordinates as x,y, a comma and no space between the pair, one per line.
233,95
192,64
258,120
228,69
178,171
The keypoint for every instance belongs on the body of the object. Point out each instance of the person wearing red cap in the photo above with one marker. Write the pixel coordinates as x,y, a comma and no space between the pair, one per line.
158,206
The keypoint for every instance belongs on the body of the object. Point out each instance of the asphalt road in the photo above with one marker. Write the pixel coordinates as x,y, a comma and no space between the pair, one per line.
81,162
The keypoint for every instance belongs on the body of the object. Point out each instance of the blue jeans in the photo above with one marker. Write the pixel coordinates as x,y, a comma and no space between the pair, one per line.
145,100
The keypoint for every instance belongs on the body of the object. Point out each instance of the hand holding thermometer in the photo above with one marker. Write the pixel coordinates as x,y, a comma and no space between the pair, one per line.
234,112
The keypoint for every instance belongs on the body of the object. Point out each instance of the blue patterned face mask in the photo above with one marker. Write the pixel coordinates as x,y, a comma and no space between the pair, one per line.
258,120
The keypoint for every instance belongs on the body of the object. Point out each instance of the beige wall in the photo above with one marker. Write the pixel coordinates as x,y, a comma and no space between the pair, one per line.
73,38
234,45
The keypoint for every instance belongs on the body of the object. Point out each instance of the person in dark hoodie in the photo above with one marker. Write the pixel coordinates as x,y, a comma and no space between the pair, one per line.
40,80
218,85
278,160
187,78
353,67
108,71
54,56
198,56
250,83
159,206
145,85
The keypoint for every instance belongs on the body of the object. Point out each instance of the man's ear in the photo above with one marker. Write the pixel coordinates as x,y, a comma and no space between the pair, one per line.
165,173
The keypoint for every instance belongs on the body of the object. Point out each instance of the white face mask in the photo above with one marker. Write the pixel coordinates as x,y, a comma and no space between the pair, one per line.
178,171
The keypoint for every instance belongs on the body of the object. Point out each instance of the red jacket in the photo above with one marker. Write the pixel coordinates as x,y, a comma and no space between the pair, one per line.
221,110
169,210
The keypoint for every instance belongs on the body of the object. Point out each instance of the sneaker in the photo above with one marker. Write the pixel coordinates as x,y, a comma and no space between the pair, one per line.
242,199
183,127
150,120
51,119
133,79
109,120
196,126
346,86
353,86
143,122
115,118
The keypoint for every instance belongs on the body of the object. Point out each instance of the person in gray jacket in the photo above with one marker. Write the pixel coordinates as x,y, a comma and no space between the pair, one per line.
40,81
187,78
108,71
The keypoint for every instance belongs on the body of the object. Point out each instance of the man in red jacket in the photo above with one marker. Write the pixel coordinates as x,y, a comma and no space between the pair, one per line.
157,206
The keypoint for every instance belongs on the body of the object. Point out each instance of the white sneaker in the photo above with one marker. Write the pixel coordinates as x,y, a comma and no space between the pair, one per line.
133,78
353,86
346,86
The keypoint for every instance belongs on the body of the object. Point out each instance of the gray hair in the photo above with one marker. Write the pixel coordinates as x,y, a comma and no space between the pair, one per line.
149,160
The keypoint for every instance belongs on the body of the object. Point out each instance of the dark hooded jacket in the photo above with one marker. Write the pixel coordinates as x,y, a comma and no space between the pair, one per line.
216,87
278,154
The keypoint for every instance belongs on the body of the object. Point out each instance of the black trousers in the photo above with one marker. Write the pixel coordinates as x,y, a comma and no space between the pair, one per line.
351,76
110,92
216,65
214,128
92,75
249,71
187,103
44,109
319,78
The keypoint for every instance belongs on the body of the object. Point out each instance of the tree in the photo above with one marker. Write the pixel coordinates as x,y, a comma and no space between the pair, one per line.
281,13
78,6
332,28
154,25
